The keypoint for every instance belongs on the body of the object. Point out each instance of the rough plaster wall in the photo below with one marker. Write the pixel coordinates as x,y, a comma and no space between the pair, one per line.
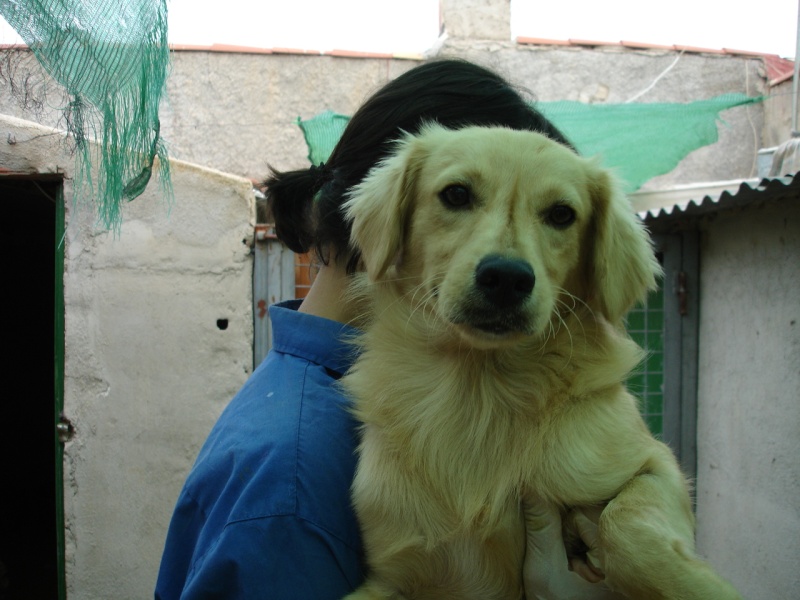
748,472
27,91
778,115
237,112
147,369
476,19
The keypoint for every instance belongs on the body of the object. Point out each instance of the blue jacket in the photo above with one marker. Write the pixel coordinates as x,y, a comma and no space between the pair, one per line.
265,512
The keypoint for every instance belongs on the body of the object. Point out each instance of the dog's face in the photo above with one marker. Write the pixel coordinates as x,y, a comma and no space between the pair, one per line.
496,232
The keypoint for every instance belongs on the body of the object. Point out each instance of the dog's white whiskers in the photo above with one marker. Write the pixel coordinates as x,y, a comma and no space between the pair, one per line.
418,299
569,309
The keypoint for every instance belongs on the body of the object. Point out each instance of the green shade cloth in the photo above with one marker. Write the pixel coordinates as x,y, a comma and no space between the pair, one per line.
321,134
112,58
638,141
641,141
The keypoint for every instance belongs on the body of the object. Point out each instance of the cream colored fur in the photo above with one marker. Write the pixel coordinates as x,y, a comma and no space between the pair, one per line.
460,422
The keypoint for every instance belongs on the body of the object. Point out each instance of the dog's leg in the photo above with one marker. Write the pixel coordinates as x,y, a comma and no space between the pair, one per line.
646,536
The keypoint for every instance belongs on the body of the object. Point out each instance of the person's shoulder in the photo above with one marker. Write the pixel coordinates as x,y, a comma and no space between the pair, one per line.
288,431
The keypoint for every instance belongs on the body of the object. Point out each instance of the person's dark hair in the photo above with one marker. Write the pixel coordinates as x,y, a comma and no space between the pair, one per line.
306,204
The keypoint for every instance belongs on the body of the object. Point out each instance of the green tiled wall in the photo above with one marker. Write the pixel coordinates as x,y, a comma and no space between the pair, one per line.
646,326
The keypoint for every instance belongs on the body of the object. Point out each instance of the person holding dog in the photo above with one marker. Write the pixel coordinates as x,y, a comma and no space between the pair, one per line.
265,511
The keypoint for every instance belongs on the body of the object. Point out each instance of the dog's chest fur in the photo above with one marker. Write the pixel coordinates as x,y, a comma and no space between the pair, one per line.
463,425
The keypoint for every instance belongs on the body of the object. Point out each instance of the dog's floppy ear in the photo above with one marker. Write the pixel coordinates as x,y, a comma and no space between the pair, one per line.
378,207
623,265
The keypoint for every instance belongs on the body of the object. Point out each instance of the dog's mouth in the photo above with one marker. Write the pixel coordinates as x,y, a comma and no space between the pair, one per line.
499,303
493,324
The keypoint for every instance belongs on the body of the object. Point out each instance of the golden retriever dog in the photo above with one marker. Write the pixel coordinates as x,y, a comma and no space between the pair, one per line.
499,266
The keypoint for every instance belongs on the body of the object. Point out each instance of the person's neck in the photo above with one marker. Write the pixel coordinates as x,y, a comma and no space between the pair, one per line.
327,296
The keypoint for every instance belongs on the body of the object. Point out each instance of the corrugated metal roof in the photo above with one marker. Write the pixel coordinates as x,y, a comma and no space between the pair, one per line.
694,200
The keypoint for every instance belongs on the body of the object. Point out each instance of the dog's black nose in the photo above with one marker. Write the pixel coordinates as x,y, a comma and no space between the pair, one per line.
505,282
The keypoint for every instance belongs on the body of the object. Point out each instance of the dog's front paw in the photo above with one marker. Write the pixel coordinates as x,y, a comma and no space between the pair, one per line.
645,555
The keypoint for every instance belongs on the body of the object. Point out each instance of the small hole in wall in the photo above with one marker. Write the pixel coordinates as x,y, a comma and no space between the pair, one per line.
222,324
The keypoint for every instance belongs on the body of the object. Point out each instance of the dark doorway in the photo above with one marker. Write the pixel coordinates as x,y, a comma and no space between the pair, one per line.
30,507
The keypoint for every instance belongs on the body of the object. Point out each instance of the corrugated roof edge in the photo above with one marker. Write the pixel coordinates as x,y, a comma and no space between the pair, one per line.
704,198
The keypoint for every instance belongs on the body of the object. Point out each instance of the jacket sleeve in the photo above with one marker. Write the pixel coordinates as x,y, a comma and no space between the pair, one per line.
274,558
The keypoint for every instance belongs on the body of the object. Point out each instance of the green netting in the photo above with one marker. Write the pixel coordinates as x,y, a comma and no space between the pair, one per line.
645,324
111,56
641,141
321,133
638,141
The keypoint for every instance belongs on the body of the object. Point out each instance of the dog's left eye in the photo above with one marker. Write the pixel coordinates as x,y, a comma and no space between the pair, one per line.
456,196
561,216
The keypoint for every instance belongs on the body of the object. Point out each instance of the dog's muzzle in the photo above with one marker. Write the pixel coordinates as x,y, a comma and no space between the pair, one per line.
497,303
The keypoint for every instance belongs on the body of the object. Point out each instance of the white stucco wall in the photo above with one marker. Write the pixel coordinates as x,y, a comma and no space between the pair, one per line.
147,368
748,439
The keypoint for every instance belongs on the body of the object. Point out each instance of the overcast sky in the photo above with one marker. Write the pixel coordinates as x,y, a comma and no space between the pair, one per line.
768,26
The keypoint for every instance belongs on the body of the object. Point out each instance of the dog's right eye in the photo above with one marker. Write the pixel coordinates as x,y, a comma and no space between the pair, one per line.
456,196
561,216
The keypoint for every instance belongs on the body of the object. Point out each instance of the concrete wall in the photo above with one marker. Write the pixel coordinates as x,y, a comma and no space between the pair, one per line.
748,438
147,367
778,115
236,111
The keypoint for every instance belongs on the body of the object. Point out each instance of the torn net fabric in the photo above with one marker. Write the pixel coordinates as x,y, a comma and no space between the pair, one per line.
642,140
321,133
637,140
112,58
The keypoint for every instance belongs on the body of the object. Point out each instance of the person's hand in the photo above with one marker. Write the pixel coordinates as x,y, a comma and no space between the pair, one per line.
579,529
548,572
